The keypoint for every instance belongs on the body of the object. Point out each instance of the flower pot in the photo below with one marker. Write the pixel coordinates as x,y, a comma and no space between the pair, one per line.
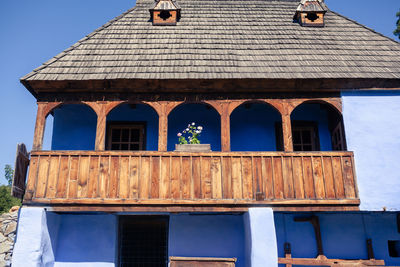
193,147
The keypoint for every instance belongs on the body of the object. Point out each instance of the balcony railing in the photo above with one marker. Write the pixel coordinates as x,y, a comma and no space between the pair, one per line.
195,179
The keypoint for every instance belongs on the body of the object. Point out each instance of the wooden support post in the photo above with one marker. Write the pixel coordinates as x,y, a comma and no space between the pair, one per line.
287,132
225,128
44,109
162,130
100,143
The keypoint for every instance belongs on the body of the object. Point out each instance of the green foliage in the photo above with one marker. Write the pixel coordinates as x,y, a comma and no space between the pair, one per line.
6,200
397,31
192,132
8,173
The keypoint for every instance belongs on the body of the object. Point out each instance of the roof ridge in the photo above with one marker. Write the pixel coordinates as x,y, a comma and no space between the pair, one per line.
366,27
76,44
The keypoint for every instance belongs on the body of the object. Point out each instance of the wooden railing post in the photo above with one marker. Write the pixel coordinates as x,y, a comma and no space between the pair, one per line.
162,128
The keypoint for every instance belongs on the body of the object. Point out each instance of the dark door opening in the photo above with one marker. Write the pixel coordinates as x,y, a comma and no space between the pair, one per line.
143,241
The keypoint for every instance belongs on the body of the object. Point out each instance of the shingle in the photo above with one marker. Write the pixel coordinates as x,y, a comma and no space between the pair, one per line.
225,39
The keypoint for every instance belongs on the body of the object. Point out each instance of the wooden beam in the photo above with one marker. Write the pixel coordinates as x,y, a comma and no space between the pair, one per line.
287,132
44,108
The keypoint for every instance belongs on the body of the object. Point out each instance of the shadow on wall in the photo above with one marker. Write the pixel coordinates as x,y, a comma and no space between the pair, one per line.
343,235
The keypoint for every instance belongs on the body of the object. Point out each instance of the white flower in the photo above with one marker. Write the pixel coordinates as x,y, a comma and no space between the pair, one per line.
179,134
193,123
187,129
200,128
197,131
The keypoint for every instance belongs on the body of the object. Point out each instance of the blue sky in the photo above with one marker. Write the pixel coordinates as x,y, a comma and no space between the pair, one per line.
34,31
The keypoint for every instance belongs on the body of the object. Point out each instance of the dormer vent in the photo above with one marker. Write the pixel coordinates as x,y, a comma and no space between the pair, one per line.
165,12
311,13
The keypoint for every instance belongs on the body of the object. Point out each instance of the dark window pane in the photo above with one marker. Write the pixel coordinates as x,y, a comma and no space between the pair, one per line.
135,135
115,147
125,135
297,148
307,148
135,147
115,135
307,137
296,137
124,147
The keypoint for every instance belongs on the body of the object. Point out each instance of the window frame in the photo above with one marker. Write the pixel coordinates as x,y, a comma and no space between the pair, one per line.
126,124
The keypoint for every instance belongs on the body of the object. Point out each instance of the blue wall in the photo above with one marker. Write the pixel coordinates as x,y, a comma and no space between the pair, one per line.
142,113
372,123
74,128
344,235
207,236
253,127
314,112
89,239
201,114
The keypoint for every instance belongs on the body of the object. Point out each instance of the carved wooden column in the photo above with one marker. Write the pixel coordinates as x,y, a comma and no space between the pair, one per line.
225,128
287,128
44,108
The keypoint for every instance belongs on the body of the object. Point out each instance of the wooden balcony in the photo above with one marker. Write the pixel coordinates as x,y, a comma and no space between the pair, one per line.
118,181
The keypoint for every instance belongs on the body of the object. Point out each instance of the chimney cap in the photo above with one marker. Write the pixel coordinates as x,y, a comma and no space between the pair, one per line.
311,6
165,5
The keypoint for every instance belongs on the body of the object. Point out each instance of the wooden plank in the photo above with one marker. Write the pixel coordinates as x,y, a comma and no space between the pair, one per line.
63,177
328,177
114,177
247,175
144,178
32,178
348,178
216,177
104,176
134,177
338,177
318,177
258,186
124,177
206,192
237,185
73,178
287,168
268,175
278,177
309,189
165,177
53,177
227,178
93,182
83,176
155,177
196,177
186,177
298,177
43,175
175,177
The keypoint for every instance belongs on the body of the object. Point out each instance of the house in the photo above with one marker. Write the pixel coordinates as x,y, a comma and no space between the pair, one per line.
299,104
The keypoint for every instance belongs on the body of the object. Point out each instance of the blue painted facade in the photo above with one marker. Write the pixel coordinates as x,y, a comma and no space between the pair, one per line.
372,124
344,235
253,127
74,128
138,113
201,114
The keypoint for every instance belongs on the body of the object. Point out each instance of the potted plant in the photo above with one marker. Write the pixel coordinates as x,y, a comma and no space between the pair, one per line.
189,140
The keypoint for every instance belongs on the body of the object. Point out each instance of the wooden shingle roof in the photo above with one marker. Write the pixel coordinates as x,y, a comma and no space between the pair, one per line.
225,39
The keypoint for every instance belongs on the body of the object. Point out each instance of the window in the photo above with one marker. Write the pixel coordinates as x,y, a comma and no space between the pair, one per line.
126,136
143,241
338,140
305,136
394,248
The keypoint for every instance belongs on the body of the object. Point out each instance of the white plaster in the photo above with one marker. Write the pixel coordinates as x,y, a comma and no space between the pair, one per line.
259,223
372,126
33,245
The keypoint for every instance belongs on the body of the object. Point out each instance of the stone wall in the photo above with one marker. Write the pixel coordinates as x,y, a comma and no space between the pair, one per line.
8,228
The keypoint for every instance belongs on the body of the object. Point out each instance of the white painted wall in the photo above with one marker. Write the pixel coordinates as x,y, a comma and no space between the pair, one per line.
372,125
